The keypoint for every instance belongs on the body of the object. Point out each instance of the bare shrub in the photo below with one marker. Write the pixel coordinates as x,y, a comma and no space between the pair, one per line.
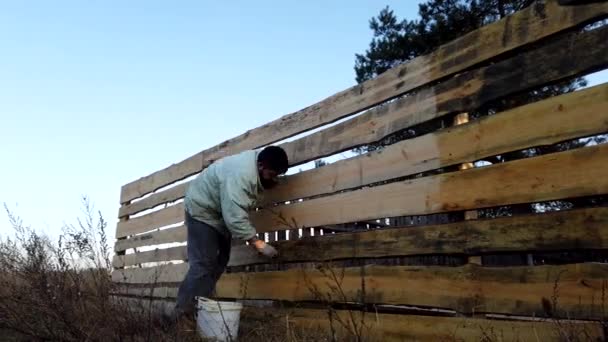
62,290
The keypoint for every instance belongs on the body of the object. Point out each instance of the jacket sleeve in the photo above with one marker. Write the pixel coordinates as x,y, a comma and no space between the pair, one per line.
235,202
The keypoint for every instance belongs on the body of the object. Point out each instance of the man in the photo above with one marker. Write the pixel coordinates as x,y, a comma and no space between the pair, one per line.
217,205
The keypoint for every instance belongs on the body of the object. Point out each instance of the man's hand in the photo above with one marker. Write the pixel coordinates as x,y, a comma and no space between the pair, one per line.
264,248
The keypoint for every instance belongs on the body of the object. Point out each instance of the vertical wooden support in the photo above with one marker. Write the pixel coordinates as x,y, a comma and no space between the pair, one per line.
305,232
122,219
530,259
272,236
460,119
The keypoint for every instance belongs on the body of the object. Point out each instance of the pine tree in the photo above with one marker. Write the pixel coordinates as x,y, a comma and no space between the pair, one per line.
440,21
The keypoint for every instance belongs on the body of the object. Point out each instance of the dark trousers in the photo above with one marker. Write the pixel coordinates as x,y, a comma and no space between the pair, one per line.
208,255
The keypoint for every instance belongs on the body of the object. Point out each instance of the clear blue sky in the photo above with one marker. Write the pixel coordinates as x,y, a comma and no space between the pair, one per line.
95,94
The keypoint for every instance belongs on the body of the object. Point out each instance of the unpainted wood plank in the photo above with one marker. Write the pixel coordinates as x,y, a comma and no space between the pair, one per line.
372,326
164,217
462,119
392,327
156,255
168,273
166,196
564,230
573,173
164,291
577,114
121,252
515,31
526,290
154,181
462,93
176,234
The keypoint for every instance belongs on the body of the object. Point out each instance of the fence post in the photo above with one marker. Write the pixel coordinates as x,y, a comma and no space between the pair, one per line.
272,236
122,219
460,119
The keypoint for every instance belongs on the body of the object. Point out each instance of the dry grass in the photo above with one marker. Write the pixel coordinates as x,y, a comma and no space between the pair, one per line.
61,291
275,328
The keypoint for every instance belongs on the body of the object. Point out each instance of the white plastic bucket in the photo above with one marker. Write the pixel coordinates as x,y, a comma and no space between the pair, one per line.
218,320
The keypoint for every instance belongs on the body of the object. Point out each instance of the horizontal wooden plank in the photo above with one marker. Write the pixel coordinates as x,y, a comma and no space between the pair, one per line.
161,291
169,195
315,323
164,217
176,234
527,290
567,174
574,173
173,173
463,93
520,29
169,273
156,255
564,230
373,326
578,114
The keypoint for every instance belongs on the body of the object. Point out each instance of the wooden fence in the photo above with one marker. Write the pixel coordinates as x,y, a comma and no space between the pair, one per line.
404,237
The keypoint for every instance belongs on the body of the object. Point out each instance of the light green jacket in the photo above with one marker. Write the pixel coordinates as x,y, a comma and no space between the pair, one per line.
224,193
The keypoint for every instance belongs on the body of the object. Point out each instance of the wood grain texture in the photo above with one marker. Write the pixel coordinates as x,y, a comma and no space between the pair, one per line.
164,291
574,173
164,217
567,230
161,178
395,327
461,119
578,114
176,234
515,31
315,324
555,176
169,273
526,290
156,255
166,196
462,93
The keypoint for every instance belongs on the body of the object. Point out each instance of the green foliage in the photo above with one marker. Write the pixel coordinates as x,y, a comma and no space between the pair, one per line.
397,41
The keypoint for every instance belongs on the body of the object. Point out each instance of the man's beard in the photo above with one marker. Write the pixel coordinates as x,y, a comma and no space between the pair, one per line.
268,183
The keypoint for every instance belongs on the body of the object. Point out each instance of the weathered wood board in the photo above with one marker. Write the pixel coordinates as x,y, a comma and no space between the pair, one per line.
527,290
564,230
372,326
572,173
518,30
579,114
459,94
176,234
